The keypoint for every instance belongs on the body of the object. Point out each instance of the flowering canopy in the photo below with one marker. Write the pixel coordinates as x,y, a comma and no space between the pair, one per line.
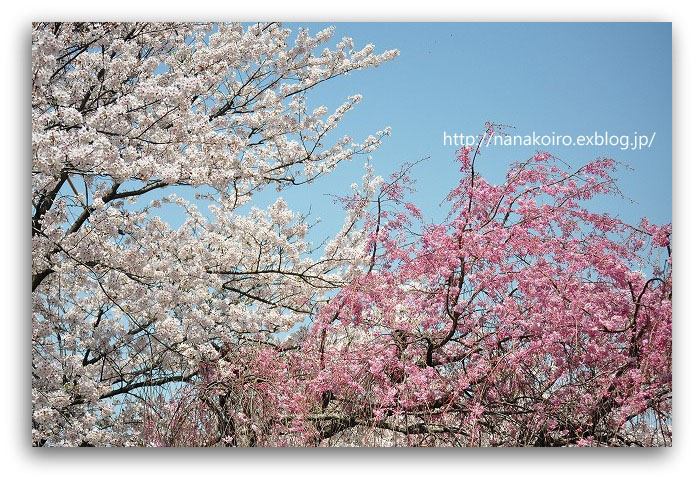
522,319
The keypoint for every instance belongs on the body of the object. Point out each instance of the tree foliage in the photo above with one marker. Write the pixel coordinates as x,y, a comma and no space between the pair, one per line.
522,319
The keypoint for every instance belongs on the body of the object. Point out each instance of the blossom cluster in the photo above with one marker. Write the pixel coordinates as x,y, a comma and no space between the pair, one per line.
127,116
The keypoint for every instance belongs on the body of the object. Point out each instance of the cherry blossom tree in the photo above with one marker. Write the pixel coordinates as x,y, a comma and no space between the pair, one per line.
127,309
522,319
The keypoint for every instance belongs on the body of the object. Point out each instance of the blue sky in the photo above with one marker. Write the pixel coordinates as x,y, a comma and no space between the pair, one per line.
568,78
